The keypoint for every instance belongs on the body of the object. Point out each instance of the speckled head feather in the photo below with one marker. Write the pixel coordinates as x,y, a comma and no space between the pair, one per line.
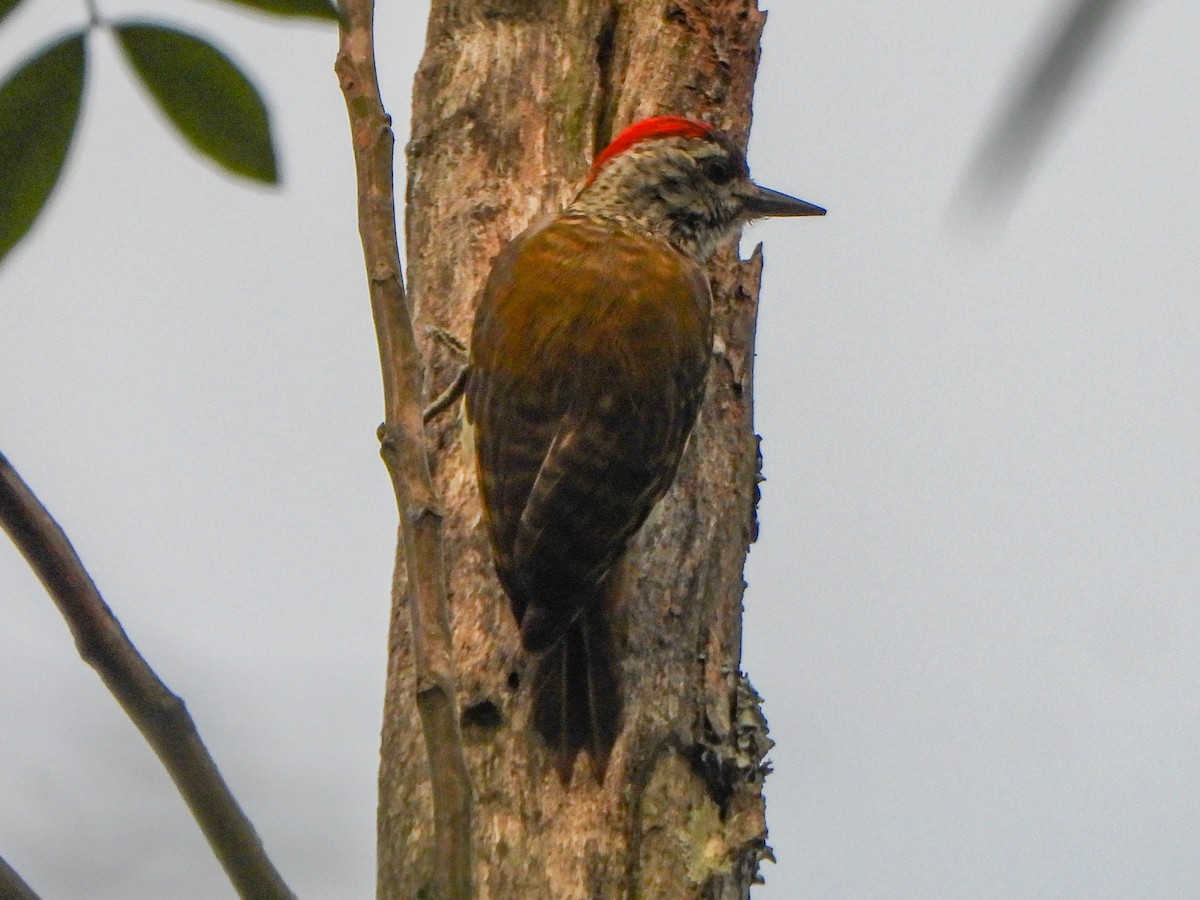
679,180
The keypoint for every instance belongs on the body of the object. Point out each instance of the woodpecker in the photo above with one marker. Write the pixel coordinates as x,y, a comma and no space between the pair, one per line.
588,359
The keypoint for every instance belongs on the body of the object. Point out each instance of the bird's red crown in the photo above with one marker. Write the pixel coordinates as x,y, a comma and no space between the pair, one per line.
648,130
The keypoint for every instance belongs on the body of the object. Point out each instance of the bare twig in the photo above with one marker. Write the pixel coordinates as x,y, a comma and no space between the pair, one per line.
448,396
403,449
159,715
12,885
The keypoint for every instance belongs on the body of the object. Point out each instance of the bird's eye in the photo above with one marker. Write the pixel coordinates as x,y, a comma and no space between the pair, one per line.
718,170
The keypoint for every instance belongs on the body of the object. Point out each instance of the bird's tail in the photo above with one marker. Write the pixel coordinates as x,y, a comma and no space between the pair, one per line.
576,690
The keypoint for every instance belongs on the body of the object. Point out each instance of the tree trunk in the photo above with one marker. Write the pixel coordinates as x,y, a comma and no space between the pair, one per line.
512,100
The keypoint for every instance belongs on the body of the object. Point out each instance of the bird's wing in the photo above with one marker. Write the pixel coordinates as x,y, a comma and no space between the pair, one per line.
626,376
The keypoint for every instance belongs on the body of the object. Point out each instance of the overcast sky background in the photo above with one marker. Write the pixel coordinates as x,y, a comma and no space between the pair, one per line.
972,609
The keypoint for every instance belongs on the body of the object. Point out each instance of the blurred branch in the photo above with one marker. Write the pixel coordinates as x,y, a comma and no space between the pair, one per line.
1034,105
159,715
403,448
12,886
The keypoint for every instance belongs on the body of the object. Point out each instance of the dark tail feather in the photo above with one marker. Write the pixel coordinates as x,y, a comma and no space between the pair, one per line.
577,694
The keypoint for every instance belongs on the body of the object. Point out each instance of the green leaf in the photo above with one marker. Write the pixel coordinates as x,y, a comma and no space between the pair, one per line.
39,106
210,101
7,6
311,9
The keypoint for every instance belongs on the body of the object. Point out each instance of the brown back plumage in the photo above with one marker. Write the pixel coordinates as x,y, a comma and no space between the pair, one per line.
589,355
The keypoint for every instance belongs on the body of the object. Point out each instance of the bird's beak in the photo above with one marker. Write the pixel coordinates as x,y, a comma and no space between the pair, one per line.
761,201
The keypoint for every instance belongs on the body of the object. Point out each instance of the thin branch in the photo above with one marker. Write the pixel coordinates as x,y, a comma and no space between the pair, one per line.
403,450
159,715
12,885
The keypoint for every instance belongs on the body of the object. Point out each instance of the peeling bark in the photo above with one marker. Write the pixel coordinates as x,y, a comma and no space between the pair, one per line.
512,99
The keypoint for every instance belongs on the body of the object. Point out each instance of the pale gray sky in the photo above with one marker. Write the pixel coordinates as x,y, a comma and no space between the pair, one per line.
973,606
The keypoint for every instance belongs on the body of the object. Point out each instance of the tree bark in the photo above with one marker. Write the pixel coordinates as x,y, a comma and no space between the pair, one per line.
512,100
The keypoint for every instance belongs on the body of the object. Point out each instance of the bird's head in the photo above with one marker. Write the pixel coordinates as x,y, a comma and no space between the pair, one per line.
682,180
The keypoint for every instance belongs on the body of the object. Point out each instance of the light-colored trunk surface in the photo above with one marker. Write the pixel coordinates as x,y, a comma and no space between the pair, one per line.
512,100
